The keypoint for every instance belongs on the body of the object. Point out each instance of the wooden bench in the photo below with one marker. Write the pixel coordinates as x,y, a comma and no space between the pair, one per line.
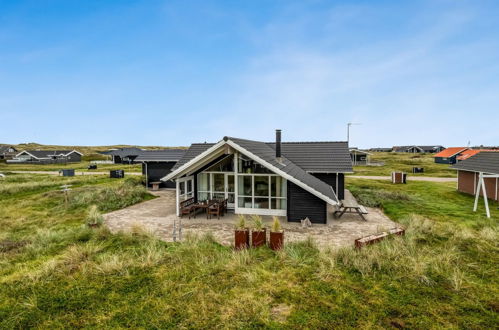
187,207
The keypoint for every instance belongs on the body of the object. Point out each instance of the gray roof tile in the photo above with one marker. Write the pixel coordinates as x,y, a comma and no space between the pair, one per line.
267,153
487,162
162,155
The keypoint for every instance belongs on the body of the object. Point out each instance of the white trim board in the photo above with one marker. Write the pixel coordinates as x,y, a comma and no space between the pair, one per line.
254,157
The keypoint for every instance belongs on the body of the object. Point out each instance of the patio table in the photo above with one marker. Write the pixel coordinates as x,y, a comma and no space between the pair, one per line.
203,206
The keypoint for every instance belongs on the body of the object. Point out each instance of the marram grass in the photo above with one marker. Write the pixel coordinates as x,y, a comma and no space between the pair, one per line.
64,274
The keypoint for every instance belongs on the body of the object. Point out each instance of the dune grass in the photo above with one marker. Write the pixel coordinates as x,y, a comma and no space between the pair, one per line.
81,167
59,273
404,162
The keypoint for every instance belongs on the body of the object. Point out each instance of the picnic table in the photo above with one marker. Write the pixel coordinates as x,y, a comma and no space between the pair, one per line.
204,205
350,206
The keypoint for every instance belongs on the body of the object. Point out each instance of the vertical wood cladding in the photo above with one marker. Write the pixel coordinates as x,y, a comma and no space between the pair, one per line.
302,204
330,179
157,170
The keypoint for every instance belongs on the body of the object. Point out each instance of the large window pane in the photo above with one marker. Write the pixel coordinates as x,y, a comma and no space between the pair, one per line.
278,186
261,203
245,202
230,183
225,165
182,188
202,196
204,182
245,185
218,182
261,185
278,204
219,196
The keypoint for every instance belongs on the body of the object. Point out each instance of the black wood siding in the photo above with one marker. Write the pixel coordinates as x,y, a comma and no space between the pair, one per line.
74,158
157,170
302,204
330,179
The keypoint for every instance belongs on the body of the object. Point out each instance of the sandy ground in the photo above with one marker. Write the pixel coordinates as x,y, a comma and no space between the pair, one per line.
409,178
158,216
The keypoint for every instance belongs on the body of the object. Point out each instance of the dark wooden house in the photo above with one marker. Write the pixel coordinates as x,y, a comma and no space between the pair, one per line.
156,164
449,155
47,157
7,152
292,179
124,155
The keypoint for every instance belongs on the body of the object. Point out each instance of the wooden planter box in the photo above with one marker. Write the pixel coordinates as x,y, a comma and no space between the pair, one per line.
371,239
258,238
276,240
241,239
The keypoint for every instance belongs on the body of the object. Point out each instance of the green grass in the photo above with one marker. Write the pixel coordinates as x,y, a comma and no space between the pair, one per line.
81,166
437,201
404,162
55,272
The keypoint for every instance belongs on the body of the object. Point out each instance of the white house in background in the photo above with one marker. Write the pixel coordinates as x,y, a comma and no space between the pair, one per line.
47,156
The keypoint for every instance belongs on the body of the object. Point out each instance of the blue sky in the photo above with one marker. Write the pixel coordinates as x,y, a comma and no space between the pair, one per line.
176,72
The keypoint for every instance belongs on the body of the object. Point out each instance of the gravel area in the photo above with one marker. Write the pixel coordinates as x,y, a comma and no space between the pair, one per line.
158,216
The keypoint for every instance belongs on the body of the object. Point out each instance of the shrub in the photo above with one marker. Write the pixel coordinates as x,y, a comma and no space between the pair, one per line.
109,198
241,222
94,217
276,225
377,197
257,222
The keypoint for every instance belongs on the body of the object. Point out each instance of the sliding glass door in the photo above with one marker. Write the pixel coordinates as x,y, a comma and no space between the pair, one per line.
217,185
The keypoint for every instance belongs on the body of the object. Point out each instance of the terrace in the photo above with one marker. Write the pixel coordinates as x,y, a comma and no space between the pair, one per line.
159,215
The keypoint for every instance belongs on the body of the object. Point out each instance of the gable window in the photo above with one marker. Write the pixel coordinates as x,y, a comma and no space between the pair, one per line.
247,165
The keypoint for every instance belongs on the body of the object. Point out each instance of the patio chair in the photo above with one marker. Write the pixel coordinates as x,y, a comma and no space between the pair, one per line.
187,207
216,209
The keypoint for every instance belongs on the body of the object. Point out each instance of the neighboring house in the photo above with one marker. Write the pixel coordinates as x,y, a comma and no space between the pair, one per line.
418,149
381,149
292,179
7,152
468,172
124,155
158,163
470,153
47,156
359,157
449,155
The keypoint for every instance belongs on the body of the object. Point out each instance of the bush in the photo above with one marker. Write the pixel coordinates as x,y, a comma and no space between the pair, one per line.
109,198
94,217
376,197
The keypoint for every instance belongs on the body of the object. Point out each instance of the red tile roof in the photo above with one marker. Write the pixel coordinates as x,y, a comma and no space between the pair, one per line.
449,152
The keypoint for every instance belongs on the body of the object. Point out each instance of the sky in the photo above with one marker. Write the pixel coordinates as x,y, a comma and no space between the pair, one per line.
171,73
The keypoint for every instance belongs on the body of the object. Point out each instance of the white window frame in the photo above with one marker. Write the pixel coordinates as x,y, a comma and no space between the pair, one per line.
182,197
260,211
